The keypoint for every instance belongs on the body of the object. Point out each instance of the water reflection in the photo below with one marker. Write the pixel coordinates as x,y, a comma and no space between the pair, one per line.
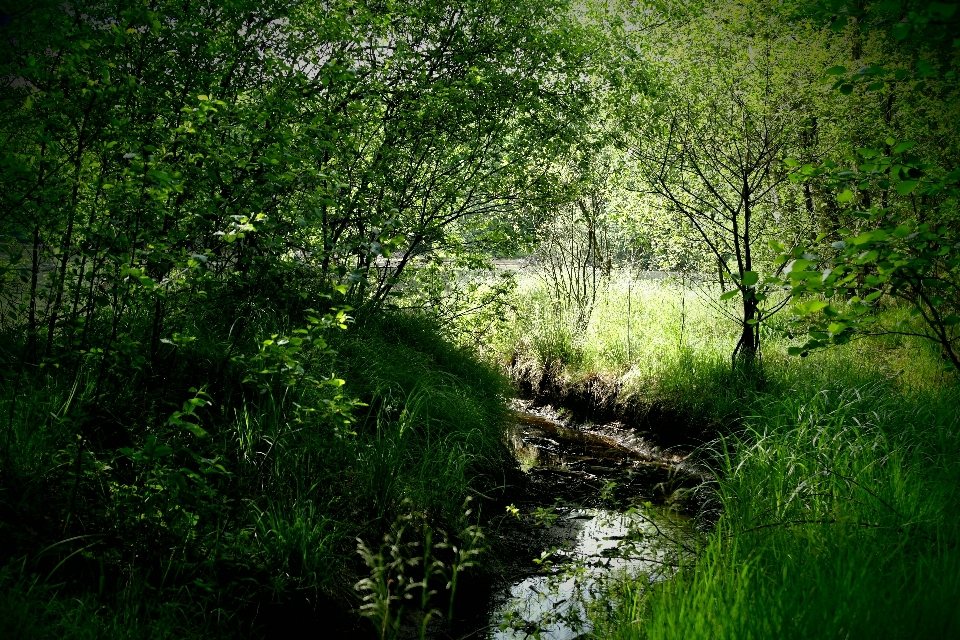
590,548
599,546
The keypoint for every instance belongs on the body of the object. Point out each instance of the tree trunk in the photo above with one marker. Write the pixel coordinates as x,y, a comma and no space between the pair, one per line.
749,344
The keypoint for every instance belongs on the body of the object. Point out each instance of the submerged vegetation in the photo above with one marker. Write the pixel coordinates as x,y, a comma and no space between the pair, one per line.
271,270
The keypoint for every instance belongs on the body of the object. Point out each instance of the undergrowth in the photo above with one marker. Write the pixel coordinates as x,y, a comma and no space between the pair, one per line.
664,343
196,504
837,523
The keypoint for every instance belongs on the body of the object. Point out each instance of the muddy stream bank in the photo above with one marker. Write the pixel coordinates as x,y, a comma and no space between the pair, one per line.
589,503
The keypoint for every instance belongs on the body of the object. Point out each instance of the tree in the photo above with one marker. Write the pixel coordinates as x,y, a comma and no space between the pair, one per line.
463,110
914,258
176,162
712,144
900,233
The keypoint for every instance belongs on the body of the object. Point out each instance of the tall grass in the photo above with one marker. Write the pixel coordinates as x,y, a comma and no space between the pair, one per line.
838,474
436,415
839,522
264,503
34,609
664,342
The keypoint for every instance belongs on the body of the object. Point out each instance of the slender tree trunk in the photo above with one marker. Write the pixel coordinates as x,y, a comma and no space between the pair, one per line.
34,281
748,335
66,248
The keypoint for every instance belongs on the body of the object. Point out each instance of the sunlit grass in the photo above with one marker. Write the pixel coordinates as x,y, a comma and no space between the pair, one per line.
838,474
665,341
838,522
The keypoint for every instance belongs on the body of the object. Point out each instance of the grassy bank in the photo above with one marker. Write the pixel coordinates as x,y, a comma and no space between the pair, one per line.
838,473
236,512
838,523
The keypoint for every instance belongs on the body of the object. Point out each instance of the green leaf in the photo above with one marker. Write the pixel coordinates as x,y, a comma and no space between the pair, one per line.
161,177
194,429
750,278
730,294
836,327
797,266
846,88
904,146
901,30
836,71
907,186
808,307
888,6
839,23
943,9
846,196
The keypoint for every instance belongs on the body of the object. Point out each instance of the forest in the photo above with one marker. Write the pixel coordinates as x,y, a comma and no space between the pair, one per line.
548,319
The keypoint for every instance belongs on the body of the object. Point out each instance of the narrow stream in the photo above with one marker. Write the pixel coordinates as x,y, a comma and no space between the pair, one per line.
605,505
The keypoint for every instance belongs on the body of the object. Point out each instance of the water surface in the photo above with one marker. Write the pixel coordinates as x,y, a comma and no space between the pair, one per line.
608,507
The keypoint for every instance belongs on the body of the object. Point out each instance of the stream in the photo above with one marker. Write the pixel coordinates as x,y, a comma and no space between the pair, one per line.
601,504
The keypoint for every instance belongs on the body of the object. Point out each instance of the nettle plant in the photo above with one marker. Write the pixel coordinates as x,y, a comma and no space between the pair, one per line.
902,241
